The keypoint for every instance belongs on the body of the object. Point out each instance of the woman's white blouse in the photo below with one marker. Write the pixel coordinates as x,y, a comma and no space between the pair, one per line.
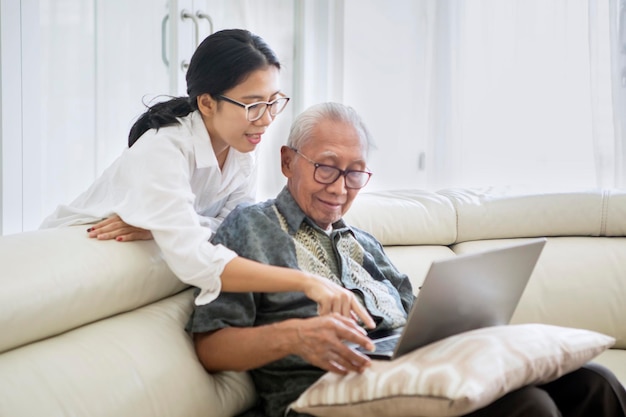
169,182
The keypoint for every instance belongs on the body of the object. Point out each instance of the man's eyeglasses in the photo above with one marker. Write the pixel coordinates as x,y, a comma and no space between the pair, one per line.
254,111
328,174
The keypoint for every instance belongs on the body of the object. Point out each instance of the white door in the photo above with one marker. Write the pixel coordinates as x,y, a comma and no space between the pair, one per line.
84,69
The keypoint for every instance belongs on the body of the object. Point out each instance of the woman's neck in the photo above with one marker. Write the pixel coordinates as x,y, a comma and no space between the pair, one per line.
221,156
220,147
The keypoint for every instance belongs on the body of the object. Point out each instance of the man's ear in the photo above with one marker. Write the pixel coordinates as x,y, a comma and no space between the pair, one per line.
206,104
286,160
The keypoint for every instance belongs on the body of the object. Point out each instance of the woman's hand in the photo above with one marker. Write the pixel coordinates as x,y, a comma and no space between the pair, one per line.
115,228
332,298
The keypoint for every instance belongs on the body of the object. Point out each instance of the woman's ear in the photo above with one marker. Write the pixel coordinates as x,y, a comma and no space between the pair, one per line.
286,159
206,104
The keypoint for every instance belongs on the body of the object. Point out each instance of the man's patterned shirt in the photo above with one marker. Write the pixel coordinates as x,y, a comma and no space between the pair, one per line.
277,232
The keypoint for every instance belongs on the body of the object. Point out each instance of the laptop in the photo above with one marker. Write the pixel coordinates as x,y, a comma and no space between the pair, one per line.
459,294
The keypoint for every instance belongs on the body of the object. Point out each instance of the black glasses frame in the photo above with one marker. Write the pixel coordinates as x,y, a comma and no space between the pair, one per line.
340,173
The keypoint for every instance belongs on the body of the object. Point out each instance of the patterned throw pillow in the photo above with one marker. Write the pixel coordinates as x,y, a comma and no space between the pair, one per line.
457,375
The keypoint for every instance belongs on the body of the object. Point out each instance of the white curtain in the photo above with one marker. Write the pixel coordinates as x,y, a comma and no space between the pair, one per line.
617,19
525,93
607,48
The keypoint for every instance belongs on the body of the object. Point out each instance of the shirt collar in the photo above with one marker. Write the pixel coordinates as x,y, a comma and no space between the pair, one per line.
294,215
204,153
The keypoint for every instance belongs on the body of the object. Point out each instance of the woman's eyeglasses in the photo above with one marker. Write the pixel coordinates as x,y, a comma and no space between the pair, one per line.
254,111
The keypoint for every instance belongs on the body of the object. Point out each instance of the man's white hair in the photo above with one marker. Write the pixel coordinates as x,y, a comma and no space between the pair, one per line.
305,122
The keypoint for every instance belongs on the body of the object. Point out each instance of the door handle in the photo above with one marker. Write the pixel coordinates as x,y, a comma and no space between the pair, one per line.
621,39
164,40
202,15
185,14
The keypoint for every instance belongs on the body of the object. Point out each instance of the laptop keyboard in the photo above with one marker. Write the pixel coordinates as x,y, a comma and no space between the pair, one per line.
388,344
383,345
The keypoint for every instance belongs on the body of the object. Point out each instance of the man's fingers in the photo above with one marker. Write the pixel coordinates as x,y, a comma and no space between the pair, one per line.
359,339
347,359
350,331
334,367
342,360
326,343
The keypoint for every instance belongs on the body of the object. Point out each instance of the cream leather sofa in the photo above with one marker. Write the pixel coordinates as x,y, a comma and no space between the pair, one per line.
93,328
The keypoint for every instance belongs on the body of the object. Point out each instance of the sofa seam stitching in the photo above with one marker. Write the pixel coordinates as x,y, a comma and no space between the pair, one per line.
606,194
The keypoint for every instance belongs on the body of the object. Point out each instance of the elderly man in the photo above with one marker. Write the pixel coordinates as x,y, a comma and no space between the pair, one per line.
280,338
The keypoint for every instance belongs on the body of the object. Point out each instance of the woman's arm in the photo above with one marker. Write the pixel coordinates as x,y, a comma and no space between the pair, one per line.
115,228
330,297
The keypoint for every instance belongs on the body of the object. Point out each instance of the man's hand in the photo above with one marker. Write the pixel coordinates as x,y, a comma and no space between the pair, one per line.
332,298
115,228
321,340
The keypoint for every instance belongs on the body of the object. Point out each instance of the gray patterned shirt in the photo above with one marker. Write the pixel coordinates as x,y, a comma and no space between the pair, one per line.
277,232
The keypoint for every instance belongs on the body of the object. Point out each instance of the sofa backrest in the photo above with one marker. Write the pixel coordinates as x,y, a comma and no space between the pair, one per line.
46,291
459,215
580,278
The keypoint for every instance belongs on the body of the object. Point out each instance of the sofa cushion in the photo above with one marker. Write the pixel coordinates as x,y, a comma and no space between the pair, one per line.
503,212
457,375
140,364
589,271
46,291
405,217
415,261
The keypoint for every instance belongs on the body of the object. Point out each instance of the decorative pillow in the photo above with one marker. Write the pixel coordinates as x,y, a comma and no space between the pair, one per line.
456,375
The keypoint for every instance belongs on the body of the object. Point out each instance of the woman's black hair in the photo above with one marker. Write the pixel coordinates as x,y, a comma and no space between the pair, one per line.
223,60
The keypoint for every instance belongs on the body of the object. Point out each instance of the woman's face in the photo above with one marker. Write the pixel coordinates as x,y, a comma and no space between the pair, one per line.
226,122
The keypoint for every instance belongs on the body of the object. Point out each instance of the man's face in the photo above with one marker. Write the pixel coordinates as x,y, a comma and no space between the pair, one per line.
333,143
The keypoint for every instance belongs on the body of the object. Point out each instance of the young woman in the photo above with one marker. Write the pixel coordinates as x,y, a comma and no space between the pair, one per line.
189,163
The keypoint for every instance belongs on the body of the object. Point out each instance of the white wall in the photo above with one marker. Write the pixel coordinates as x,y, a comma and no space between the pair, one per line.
10,119
384,79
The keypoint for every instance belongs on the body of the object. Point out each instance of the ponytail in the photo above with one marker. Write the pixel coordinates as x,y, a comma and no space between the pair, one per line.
159,115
